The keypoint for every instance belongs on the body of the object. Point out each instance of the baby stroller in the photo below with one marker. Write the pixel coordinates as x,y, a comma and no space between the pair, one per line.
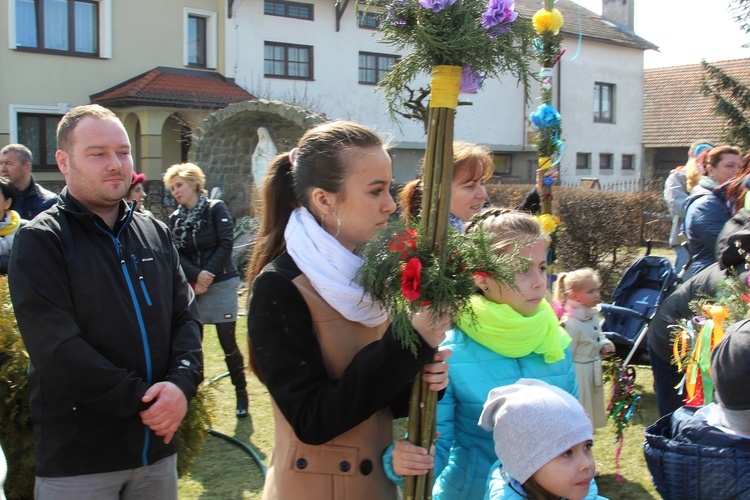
636,298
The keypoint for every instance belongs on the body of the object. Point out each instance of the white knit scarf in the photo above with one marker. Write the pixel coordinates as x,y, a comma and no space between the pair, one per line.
331,269
576,310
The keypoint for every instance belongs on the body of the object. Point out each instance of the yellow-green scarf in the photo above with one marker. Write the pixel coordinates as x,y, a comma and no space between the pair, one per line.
12,226
510,334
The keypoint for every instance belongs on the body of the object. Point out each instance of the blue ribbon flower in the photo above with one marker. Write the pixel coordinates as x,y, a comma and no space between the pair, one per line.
546,116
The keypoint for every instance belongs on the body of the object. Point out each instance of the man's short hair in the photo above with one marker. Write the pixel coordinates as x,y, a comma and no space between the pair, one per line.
70,120
24,153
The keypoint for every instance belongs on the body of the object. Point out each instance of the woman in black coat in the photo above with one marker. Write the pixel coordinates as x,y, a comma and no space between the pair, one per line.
203,234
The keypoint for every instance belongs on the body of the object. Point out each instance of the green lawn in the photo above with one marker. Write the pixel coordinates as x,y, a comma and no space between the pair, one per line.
224,471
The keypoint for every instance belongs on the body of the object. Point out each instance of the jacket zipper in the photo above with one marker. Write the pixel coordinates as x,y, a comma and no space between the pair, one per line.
140,278
139,315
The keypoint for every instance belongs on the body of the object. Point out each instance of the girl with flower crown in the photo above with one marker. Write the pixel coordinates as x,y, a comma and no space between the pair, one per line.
336,374
10,223
513,333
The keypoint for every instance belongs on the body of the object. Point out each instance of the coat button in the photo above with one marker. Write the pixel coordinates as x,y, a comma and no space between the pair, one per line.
344,466
301,463
365,467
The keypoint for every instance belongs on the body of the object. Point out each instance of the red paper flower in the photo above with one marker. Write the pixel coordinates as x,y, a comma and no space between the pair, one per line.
405,242
745,298
481,274
411,278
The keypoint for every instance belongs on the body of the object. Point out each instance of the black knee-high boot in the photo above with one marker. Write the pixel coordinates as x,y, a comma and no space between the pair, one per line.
235,365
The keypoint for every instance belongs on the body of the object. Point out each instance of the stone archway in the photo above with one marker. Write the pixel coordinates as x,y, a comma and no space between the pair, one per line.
133,127
224,143
172,132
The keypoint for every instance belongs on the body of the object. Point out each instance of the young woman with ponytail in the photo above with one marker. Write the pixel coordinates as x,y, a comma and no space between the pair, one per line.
335,373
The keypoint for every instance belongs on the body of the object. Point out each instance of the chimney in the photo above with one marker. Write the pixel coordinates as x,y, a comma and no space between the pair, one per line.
620,12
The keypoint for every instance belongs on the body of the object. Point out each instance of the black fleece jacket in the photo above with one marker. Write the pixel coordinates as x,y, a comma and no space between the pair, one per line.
211,247
104,314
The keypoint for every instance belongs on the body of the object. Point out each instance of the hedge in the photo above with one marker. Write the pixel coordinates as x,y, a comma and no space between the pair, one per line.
605,230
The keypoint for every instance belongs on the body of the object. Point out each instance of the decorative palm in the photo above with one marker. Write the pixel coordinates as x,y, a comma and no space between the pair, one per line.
458,42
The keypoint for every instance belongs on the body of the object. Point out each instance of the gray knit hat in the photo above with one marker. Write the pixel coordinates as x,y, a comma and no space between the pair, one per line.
730,373
533,422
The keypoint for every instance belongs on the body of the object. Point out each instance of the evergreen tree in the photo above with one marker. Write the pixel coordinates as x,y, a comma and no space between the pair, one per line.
731,97
741,11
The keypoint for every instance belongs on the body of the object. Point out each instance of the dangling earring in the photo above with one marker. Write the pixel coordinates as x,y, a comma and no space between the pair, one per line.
338,224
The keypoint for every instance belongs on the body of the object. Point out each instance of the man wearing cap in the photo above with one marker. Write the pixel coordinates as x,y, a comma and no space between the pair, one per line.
704,452
677,306
30,198
675,194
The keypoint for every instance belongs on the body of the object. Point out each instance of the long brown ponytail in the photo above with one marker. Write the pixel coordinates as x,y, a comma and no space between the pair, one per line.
316,162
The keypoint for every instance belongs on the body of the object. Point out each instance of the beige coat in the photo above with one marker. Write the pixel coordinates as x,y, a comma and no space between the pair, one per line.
349,466
587,343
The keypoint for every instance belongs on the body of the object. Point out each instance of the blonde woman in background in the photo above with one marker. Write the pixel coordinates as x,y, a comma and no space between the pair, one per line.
203,234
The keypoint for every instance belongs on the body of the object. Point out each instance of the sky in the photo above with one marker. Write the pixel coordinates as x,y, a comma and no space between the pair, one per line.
686,31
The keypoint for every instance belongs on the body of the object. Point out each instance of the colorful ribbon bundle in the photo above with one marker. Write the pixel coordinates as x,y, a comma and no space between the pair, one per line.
692,355
622,404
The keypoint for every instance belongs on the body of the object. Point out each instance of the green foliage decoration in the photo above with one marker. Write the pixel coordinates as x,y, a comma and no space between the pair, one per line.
445,285
194,428
453,36
16,435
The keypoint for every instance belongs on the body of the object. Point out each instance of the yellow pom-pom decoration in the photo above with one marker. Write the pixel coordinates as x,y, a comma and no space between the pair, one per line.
547,20
548,222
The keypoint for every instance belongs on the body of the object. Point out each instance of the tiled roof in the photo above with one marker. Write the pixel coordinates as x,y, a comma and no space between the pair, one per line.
674,111
174,87
590,25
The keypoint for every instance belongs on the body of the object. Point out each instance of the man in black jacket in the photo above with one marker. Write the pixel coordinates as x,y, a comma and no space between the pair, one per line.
30,198
110,325
732,246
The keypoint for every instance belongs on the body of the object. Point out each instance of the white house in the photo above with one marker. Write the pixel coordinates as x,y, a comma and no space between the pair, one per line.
325,56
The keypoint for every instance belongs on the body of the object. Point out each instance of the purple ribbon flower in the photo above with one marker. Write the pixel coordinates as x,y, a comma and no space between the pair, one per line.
392,15
436,5
471,81
497,15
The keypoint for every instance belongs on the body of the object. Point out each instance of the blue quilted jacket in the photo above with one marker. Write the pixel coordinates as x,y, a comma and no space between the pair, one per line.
465,452
688,458
706,212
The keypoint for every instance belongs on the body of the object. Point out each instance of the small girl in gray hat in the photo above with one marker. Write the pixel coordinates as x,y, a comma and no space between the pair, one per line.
543,439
